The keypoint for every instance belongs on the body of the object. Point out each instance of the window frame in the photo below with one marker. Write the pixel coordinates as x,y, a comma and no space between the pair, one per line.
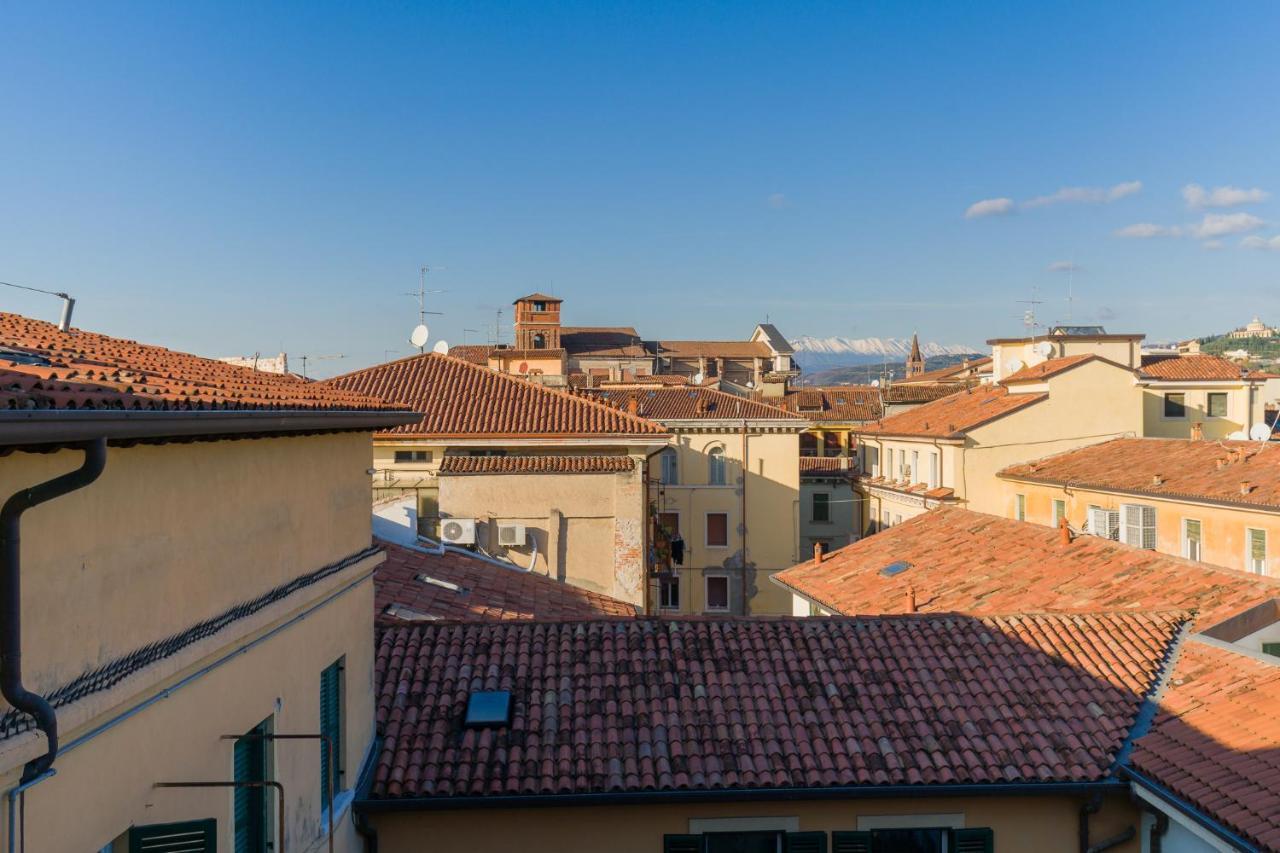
1020,507
338,738
826,508
1164,409
1208,403
707,577
717,475
1248,550
665,583
706,530
1059,511
1154,527
672,456
1186,540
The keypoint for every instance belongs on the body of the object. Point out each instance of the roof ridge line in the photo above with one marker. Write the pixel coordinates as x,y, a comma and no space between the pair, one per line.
1150,706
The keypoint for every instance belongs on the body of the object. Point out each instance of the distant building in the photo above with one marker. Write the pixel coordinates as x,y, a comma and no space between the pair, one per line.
1255,328
262,364
915,361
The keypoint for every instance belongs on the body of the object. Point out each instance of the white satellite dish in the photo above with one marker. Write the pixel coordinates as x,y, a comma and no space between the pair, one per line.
1044,349
441,347
1016,365
419,335
1238,435
1260,432
875,383
697,379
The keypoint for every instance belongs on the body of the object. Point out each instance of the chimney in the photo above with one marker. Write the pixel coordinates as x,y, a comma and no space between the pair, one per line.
1245,488
818,553
1064,531
911,599
633,405
1221,464
1197,431
1157,480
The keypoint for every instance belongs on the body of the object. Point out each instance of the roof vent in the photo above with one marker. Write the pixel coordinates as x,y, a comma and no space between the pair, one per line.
895,568
408,614
449,585
487,708
1157,480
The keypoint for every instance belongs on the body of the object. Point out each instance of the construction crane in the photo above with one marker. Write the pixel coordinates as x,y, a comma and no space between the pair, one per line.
307,358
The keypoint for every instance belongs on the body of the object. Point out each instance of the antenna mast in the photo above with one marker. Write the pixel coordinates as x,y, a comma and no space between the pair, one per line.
422,306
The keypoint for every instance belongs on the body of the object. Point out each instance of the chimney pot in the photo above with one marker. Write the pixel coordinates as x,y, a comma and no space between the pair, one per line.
1245,488
1064,531
818,553
1197,431
911,599
1157,480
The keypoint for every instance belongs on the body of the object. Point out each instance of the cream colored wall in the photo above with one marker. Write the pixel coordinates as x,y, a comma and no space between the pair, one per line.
1243,410
1222,528
1127,353
594,542
845,513
1045,824
772,513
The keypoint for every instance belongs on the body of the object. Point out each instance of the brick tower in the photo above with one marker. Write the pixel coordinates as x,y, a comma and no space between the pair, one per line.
915,361
537,322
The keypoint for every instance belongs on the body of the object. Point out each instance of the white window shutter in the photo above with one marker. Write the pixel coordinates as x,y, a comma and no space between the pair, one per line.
1113,524
1149,528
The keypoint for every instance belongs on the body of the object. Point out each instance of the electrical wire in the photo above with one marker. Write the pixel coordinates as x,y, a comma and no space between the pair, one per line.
35,289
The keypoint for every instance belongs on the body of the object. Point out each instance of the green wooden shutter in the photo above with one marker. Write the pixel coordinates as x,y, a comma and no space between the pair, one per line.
850,842
331,727
682,844
976,840
806,842
192,836
1271,649
250,765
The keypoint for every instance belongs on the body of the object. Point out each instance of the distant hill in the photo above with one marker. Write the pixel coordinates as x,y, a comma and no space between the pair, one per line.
1259,349
816,354
866,373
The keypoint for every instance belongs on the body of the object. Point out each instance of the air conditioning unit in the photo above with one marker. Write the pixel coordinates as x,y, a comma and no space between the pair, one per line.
458,531
511,535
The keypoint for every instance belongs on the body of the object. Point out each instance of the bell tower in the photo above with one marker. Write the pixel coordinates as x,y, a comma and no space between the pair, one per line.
537,322
915,361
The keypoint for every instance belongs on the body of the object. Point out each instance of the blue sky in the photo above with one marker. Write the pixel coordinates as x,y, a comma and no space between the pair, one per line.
229,178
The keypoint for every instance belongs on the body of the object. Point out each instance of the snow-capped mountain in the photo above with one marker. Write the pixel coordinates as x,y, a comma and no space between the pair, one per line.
821,353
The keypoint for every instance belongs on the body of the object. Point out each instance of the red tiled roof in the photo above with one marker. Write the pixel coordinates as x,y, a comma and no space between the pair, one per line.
1054,366
827,466
967,562
948,373
460,399
474,353
669,704
537,465
1198,470
484,592
836,403
1216,740
660,379
44,368
522,353
924,392
1176,368
714,349
936,493
667,403
954,415
603,341
538,297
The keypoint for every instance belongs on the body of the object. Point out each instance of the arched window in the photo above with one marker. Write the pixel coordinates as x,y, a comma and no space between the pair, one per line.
715,466
539,341
670,468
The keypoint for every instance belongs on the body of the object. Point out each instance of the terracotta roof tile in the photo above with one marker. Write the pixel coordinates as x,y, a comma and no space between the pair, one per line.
1216,740
1174,368
923,392
42,367
967,562
460,399
537,465
668,403
713,349
538,297
474,353
827,466
841,403
603,341
948,374
1167,467
717,704
1054,366
483,591
954,415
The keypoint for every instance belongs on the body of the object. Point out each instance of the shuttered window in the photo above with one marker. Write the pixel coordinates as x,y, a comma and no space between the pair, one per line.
972,840
670,467
331,727
1257,556
1104,522
249,760
1020,507
192,836
1138,525
717,530
1059,512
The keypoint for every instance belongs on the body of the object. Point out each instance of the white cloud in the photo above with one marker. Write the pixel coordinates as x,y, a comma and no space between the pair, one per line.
1146,230
1197,196
1086,195
1253,241
1064,266
1219,224
778,201
989,207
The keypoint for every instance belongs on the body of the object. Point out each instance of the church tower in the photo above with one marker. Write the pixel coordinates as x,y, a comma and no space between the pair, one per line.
537,322
915,361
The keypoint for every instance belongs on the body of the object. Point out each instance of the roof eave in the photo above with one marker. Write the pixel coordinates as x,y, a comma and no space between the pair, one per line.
1137,493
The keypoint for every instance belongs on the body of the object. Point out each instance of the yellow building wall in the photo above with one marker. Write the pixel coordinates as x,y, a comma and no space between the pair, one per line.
1223,537
1244,408
1123,352
1046,824
772,514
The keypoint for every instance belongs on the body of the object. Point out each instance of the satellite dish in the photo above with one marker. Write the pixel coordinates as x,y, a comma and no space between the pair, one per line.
1238,435
697,379
875,383
1044,349
419,336
1016,365
1260,432
441,347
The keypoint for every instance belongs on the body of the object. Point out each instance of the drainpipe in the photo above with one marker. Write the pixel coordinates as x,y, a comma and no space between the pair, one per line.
11,686
746,471
279,788
1091,807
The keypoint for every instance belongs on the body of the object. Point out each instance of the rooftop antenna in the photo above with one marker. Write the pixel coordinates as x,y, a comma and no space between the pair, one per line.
464,334
307,358
1029,315
68,303
1071,278
419,335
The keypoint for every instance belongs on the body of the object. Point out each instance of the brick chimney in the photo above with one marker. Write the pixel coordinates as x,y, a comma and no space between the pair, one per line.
818,553
1197,431
911,599
1064,531
633,406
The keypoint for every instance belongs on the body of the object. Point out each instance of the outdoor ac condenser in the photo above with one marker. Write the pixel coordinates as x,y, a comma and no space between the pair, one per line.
511,535
458,531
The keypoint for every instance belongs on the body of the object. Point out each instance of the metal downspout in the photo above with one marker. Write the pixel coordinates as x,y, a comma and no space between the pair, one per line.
746,472
11,686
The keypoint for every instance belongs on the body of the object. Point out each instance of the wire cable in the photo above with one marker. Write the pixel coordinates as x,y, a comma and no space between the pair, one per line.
35,289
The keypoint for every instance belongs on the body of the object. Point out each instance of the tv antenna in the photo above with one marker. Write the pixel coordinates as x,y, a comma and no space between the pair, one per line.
307,358
464,334
419,335
1029,315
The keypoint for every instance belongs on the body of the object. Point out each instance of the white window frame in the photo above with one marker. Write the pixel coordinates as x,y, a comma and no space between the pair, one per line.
669,453
1186,540
1126,527
1109,517
888,463
935,470
1059,503
716,473
706,594
1248,550
1020,507
706,531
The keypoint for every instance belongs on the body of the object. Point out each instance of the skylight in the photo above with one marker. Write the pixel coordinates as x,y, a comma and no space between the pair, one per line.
895,568
488,708
408,614
449,585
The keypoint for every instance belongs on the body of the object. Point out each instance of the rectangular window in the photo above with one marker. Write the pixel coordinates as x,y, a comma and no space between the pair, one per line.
1138,525
888,464
1175,405
403,456
885,519
1191,541
1271,649
1104,522
934,480
897,519
1257,556
1020,507
670,522
717,530
1059,512
913,473
331,726
717,591
821,507
915,840
670,468
1217,407
669,593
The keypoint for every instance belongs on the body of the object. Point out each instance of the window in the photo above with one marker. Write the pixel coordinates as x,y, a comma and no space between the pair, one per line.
250,763
916,840
539,306
539,341
1059,512
746,841
1104,522
1138,525
1020,507
717,530
934,482
1175,405
1256,558
821,507
670,522
888,464
1217,407
403,456
885,520
669,592
1271,649
913,473
331,726
670,467
1191,539
897,519
717,592
195,836
715,466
